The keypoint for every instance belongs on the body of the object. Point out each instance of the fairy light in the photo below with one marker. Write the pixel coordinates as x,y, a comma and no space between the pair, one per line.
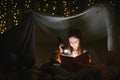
44,10
76,7
66,7
18,12
73,2
73,10
53,8
38,6
15,12
39,9
46,5
3,18
27,4
91,3
112,2
55,2
53,13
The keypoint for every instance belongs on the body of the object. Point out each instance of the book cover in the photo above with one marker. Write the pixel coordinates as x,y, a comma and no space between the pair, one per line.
75,63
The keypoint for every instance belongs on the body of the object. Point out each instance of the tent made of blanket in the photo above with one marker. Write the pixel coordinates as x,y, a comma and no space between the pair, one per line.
37,34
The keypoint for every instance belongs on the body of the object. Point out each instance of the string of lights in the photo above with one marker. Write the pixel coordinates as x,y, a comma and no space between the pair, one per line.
12,11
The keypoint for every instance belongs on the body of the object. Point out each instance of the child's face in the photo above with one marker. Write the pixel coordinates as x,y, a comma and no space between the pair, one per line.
74,42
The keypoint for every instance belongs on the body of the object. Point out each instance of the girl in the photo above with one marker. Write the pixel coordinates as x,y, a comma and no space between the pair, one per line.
74,49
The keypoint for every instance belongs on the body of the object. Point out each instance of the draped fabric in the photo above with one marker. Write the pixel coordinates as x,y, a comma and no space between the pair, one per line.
19,41
95,23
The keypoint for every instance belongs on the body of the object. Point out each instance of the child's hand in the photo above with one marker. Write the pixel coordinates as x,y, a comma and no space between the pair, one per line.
60,47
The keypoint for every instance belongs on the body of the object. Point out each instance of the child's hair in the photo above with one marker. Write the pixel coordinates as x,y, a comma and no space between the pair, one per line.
76,33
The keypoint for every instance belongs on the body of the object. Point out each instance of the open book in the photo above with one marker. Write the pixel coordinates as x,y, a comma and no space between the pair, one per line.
75,63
